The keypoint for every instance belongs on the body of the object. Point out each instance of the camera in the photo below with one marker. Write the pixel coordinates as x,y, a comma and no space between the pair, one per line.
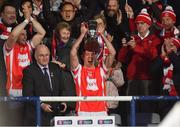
128,36
57,109
92,24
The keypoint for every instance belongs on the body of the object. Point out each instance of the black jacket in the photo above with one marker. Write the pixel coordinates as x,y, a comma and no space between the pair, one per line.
34,85
63,54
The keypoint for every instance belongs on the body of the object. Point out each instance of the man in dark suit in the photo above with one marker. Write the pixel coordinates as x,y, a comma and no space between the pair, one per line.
42,78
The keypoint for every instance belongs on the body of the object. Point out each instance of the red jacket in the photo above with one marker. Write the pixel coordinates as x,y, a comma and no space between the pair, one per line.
140,57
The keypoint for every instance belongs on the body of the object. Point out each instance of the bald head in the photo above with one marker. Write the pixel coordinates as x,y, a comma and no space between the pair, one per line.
42,55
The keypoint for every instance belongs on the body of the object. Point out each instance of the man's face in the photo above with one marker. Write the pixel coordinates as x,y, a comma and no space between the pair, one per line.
142,27
89,58
167,23
112,7
68,12
42,55
22,37
64,35
9,15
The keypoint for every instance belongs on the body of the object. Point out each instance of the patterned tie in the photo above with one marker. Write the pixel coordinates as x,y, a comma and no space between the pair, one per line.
47,77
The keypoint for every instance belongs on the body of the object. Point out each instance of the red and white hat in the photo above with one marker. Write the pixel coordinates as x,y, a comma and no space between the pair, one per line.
169,12
144,17
176,42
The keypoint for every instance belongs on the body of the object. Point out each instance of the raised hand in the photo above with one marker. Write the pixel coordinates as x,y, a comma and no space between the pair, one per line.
100,29
84,28
129,11
26,12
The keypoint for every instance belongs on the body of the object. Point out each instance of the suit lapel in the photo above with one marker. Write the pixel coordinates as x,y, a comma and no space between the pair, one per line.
51,76
41,78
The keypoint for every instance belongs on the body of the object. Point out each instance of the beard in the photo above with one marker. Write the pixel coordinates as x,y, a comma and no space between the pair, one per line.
111,13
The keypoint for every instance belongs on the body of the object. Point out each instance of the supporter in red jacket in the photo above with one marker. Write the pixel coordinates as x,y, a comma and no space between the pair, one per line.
138,53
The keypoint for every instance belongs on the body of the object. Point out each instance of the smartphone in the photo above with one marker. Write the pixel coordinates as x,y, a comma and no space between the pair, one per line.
128,37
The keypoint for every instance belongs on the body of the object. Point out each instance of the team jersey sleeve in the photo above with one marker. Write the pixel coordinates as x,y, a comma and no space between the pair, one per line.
76,71
6,50
104,70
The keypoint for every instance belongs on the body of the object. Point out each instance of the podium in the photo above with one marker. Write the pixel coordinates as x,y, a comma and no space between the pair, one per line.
83,121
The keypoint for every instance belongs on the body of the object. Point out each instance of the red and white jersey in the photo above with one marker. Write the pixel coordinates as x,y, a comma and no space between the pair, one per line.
90,82
16,60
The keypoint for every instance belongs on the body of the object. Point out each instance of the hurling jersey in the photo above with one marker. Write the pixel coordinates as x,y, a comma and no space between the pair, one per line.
16,60
90,82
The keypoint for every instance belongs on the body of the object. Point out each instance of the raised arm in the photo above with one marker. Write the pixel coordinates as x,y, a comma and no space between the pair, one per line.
18,29
73,54
109,59
15,34
37,38
112,52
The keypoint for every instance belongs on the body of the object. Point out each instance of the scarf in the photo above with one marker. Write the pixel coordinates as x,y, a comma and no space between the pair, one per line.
4,31
175,33
167,80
